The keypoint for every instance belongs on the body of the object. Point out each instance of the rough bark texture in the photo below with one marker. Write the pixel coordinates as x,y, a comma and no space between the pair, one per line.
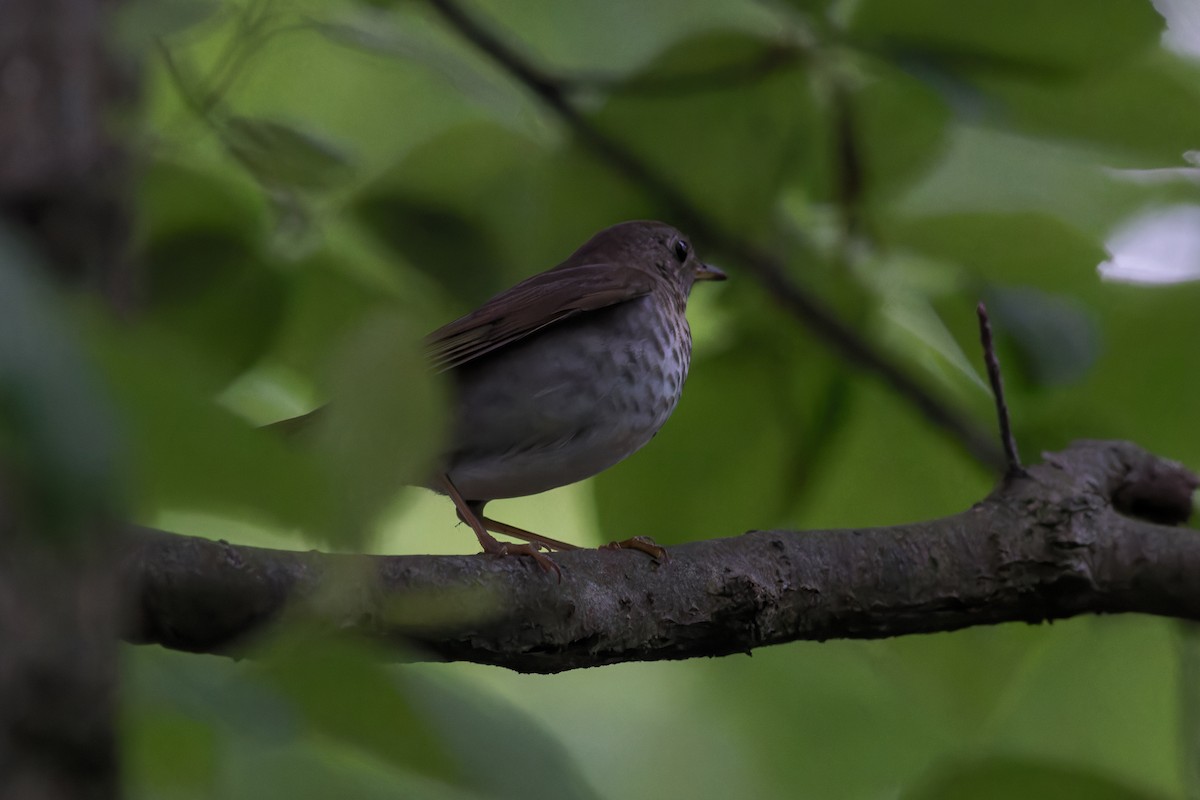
58,657
1052,544
58,193
61,171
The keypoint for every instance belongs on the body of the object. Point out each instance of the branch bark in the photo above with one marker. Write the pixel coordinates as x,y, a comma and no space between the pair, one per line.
1059,541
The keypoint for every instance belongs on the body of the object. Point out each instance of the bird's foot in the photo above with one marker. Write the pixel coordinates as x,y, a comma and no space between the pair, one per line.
643,543
472,514
535,539
495,547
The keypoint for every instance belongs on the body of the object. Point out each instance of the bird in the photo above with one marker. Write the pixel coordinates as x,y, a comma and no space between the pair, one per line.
562,376
566,374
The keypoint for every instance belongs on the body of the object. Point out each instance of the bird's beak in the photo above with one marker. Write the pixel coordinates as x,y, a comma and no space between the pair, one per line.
707,272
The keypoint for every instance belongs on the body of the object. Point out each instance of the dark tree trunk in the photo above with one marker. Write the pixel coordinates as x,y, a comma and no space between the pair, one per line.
62,204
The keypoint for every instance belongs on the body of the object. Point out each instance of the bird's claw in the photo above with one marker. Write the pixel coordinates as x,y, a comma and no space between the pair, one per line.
643,543
510,549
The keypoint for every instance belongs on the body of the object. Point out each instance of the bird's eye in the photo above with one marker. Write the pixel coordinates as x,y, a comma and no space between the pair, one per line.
681,250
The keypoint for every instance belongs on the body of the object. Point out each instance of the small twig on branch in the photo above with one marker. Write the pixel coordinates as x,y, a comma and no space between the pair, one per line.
849,174
993,369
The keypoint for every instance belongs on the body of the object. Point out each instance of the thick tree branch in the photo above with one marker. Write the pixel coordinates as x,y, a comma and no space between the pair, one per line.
765,267
1051,544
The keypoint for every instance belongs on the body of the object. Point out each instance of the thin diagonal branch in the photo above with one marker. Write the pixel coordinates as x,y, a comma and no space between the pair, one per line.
765,267
1047,545
850,180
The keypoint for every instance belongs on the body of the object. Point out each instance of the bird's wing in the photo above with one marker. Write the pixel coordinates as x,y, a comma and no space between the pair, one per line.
531,305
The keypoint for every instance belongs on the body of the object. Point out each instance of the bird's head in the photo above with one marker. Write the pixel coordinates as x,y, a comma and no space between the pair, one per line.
653,247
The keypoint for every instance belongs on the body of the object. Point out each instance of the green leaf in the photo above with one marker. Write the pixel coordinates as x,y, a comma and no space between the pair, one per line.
176,199
58,433
385,424
900,127
444,243
549,190
179,712
1056,338
282,155
988,171
190,454
416,39
1156,125
1004,247
207,281
815,7
232,311
1149,341
167,752
1051,332
964,682
343,692
829,701
463,164
208,689
877,469
1189,697
503,752
1134,739
702,476
140,23
431,208
692,134
324,304
1022,35
319,770
204,726
929,341
1000,778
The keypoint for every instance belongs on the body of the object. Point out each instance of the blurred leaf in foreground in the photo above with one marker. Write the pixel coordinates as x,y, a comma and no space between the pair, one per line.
283,155
57,431
384,425
1000,778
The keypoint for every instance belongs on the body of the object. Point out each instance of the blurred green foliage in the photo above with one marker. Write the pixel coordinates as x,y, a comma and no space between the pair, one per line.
324,181
62,457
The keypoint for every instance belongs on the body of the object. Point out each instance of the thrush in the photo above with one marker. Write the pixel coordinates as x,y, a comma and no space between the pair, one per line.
566,374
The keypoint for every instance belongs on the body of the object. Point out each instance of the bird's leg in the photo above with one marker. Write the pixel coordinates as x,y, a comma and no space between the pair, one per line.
643,543
528,536
470,512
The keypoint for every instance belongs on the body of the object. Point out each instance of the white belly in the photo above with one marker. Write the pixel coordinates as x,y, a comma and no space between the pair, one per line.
583,402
